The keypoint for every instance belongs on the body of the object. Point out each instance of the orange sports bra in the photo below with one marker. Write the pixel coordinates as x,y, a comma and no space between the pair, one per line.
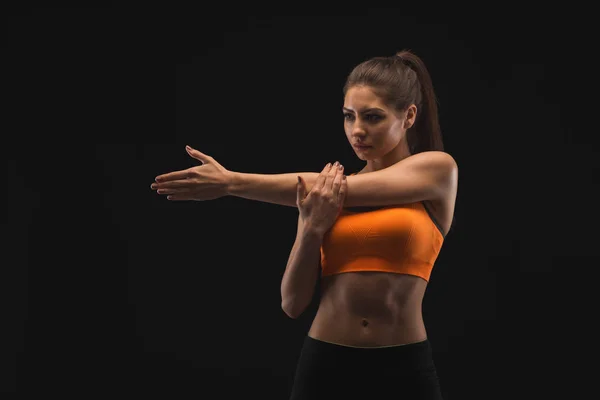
403,239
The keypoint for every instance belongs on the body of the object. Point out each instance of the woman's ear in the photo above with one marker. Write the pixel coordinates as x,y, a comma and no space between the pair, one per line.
410,116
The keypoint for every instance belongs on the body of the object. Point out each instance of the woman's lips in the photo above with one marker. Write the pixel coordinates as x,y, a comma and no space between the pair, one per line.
361,147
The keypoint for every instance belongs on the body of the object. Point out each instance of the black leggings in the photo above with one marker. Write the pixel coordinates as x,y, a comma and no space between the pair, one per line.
332,371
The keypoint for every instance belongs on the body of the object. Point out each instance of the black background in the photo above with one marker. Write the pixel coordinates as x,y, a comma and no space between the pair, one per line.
111,289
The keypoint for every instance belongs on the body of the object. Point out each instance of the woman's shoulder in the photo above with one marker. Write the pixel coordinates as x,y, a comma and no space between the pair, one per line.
434,155
430,156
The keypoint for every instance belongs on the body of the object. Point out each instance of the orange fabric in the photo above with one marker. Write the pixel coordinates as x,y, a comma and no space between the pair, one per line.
398,239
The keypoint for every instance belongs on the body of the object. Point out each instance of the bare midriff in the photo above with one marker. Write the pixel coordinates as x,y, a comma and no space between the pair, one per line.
370,309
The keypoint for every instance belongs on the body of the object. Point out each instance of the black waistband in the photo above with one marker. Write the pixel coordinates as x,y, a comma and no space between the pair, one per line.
406,356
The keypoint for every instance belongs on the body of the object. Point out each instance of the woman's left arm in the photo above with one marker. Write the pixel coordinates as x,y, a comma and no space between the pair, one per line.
423,176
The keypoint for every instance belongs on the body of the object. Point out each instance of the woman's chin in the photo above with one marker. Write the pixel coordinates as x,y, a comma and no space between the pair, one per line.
363,157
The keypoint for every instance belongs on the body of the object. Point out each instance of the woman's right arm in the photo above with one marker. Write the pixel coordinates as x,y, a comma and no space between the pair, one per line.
302,271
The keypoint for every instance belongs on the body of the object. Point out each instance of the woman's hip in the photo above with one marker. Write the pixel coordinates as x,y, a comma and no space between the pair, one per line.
332,369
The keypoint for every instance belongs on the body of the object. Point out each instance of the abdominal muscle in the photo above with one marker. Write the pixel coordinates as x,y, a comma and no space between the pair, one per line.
370,309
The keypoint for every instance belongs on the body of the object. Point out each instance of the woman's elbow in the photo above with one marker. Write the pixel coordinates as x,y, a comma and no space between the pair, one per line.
292,309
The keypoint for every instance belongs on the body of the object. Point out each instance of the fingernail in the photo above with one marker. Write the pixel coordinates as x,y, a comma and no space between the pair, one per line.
153,186
341,167
337,163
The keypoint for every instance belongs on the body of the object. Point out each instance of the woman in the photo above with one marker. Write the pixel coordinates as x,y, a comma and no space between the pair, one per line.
373,236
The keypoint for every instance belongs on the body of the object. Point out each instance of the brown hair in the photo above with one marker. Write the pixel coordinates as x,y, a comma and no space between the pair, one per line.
402,80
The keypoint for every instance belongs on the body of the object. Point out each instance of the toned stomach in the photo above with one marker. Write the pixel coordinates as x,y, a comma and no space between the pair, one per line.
370,309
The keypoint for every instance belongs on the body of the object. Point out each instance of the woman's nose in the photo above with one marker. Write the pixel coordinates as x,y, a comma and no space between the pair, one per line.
358,133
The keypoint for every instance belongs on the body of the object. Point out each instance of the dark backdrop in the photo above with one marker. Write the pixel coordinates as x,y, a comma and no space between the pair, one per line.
112,289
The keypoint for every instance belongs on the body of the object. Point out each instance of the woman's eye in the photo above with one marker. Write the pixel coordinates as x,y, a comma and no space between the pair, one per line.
370,117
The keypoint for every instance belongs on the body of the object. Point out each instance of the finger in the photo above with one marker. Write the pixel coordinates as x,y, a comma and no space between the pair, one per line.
331,176
173,191
343,191
179,197
337,181
300,190
203,158
320,183
181,184
173,176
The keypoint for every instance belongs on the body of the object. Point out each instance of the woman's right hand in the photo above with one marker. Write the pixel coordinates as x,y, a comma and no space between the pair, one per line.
322,205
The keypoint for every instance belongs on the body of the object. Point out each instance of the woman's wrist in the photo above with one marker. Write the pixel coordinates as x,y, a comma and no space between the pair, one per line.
312,231
232,182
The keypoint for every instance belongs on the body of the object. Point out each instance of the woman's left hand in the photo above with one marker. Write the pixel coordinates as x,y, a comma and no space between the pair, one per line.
208,181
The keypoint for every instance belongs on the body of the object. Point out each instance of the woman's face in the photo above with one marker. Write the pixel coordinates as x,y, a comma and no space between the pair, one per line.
373,128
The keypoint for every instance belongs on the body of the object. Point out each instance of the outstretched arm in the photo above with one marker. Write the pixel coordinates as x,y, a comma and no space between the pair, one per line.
424,176
269,188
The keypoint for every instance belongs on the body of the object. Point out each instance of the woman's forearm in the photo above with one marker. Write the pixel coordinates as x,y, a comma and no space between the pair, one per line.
269,188
301,273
